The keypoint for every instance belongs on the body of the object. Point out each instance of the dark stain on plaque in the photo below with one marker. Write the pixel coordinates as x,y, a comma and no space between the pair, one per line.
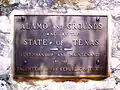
64,45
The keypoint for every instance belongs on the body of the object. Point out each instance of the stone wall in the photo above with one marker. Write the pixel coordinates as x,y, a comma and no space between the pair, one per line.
6,82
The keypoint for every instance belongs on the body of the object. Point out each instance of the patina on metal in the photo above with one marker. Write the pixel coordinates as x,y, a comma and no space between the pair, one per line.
61,46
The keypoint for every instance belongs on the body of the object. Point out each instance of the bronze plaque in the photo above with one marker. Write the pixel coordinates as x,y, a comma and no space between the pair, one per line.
60,45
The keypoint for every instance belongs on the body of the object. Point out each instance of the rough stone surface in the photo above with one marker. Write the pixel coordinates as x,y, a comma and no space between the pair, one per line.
6,82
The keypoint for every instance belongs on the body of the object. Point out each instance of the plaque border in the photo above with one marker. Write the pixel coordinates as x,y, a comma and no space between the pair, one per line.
69,12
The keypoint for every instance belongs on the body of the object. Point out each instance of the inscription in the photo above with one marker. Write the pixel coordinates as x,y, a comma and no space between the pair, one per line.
60,45
75,69
70,26
79,54
78,42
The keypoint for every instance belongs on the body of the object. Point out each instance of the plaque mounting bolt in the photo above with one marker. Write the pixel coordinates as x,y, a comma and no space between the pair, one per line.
97,62
97,19
22,19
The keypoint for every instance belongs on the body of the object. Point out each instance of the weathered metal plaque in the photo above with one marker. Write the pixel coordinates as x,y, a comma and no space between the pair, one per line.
61,45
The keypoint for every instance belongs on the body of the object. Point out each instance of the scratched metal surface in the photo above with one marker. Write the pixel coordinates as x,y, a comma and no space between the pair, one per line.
56,63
